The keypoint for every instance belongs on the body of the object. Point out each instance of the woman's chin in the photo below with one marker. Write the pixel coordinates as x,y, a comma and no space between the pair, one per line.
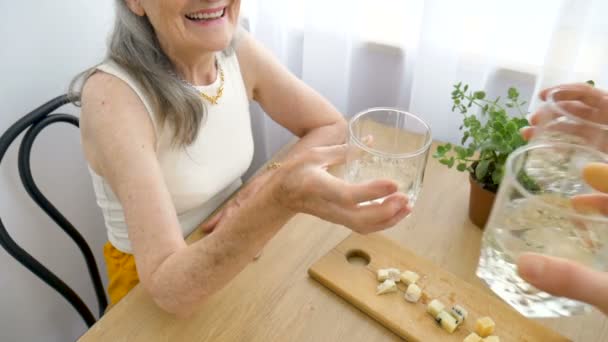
217,40
214,45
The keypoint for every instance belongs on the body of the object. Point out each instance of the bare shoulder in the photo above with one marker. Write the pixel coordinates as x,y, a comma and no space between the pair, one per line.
254,59
112,115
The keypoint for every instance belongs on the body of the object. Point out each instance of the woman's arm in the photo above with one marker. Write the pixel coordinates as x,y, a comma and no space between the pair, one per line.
118,139
288,100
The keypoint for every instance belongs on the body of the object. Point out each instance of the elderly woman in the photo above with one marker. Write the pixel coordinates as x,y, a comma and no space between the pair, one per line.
166,131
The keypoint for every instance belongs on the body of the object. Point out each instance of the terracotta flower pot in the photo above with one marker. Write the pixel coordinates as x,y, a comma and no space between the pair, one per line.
480,203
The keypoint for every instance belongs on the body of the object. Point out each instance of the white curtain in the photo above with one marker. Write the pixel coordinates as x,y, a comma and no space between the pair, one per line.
409,53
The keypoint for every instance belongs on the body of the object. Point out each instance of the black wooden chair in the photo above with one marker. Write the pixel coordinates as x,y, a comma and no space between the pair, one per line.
34,123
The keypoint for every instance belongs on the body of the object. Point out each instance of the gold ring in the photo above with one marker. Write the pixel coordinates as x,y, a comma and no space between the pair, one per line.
273,166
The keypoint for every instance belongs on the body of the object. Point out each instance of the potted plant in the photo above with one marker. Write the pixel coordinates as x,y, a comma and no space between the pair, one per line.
490,132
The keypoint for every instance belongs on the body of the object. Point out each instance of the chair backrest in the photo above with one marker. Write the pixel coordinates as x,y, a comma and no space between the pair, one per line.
34,123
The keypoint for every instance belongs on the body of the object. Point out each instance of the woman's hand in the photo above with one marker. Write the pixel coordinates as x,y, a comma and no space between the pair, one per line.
244,194
304,185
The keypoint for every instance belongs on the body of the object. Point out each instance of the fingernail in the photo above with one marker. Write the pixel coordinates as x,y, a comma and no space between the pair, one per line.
396,205
391,187
531,267
595,175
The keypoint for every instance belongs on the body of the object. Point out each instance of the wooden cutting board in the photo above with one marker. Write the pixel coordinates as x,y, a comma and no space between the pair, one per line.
356,283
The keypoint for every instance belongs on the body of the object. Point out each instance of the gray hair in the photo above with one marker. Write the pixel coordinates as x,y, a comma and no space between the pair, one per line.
134,46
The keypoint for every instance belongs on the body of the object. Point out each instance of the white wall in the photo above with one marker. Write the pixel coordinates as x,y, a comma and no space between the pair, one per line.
42,45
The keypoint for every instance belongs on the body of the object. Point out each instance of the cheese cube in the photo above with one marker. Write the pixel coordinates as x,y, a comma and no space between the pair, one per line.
491,339
382,275
409,277
413,293
387,286
484,326
447,321
435,307
459,313
473,337
388,273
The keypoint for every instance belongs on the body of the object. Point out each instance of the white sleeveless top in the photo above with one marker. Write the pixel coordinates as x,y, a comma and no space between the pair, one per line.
201,176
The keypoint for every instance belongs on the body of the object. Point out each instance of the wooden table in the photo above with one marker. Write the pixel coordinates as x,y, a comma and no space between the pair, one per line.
274,299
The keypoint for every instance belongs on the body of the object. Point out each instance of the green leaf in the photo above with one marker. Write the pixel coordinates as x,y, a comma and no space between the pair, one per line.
461,167
517,141
497,139
448,162
488,146
521,122
513,93
512,127
461,152
498,174
480,95
465,137
471,151
448,147
482,169
472,121
591,83
498,126
466,87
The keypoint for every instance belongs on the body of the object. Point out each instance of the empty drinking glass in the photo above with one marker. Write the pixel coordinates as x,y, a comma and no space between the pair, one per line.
387,143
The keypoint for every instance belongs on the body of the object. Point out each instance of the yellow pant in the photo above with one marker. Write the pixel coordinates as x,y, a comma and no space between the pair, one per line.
122,273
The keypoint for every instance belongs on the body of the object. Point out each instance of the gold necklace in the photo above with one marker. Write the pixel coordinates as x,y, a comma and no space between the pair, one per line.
220,91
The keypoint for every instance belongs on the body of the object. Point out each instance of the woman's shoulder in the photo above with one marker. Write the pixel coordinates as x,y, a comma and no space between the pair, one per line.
111,84
111,112
103,88
109,104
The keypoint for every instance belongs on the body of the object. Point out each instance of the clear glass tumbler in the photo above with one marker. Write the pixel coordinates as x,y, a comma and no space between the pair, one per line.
534,212
567,120
387,143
